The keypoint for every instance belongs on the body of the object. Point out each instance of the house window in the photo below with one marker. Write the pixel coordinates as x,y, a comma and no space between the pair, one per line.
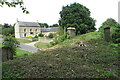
25,35
31,32
30,29
24,30
36,30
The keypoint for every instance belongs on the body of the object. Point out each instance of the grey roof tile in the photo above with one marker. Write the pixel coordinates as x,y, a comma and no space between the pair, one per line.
49,29
33,24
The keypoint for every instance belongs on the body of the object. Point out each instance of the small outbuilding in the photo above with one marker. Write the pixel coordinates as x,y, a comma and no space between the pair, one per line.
71,31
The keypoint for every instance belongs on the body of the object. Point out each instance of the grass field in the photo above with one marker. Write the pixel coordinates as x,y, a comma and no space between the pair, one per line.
96,59
42,45
21,53
24,40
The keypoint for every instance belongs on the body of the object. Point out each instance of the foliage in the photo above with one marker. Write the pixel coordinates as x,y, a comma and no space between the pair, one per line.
116,34
41,35
1,27
14,3
36,36
54,25
114,29
11,43
42,25
60,36
7,30
30,36
51,35
1,36
98,60
78,16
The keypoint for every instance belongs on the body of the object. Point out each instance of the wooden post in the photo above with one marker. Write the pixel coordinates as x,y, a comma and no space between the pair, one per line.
107,33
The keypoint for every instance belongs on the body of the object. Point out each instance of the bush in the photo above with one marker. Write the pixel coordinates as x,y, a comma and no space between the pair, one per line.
116,34
40,35
60,38
30,36
36,36
51,35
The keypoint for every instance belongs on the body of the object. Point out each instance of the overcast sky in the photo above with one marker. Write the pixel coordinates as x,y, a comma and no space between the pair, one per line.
47,11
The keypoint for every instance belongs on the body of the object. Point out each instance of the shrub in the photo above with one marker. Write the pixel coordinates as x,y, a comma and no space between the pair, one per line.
60,38
116,34
51,35
36,36
30,36
40,35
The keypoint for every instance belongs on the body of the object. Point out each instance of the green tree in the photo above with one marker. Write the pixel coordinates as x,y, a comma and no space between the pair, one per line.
14,3
78,16
54,25
43,25
7,30
11,43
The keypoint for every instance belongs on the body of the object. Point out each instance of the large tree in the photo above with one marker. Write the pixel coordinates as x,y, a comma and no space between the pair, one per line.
7,30
78,16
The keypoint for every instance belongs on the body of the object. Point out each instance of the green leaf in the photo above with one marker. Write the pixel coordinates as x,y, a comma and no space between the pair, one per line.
27,12
23,11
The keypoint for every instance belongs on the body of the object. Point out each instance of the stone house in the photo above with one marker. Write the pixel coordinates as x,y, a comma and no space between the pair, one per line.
47,31
26,29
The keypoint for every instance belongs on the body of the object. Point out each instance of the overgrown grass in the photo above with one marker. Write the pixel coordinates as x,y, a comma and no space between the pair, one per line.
1,45
24,40
1,36
98,59
42,45
84,37
89,36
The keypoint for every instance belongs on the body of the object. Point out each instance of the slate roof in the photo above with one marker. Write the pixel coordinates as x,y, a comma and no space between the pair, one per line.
30,24
49,29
